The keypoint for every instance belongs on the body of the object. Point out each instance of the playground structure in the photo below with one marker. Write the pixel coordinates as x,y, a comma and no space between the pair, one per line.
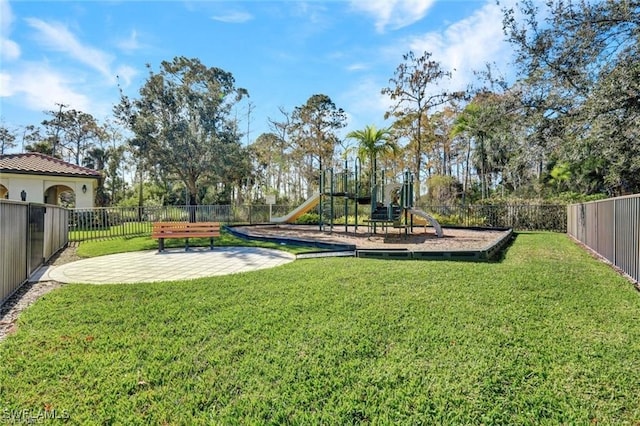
299,211
345,193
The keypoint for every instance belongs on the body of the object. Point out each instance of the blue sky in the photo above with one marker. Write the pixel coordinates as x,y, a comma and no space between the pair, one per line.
282,52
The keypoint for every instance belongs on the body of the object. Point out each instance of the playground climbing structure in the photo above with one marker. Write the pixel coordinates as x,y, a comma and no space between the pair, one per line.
350,193
390,204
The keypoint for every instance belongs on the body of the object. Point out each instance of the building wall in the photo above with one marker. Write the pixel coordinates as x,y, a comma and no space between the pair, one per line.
36,187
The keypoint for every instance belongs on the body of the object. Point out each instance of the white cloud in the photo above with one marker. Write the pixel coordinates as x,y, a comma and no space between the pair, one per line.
311,19
39,85
6,88
395,14
6,17
464,46
235,17
40,88
9,50
467,45
126,74
363,101
130,44
57,37
357,67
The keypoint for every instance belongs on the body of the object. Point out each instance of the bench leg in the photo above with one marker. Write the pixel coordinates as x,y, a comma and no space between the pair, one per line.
160,245
211,243
186,244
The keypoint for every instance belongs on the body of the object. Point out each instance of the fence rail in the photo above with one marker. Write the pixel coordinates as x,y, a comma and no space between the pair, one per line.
31,234
85,224
520,217
611,228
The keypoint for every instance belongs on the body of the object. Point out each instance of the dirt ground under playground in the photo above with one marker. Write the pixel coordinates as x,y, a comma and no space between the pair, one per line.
421,239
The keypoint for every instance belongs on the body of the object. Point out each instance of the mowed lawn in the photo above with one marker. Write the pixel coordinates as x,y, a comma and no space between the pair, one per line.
546,336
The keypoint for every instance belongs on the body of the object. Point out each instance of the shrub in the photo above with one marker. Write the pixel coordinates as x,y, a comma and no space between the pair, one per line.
351,219
308,219
458,220
94,219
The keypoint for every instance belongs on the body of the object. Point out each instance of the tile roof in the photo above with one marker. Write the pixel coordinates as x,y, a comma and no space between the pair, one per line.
39,164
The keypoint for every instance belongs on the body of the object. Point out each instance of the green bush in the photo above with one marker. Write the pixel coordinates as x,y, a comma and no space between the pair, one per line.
442,190
574,197
94,219
308,219
351,219
458,220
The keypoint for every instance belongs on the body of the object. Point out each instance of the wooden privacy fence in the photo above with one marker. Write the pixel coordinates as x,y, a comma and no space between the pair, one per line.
611,228
29,235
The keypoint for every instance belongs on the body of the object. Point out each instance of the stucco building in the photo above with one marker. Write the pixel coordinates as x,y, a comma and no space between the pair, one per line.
39,178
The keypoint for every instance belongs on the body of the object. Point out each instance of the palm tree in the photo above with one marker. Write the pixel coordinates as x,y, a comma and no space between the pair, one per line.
371,142
472,121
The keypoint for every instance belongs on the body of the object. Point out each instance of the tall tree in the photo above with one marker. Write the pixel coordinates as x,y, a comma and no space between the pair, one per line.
314,127
373,142
72,133
7,139
116,151
271,160
578,63
481,121
286,181
30,135
470,123
42,146
115,183
53,128
96,158
414,94
443,147
182,123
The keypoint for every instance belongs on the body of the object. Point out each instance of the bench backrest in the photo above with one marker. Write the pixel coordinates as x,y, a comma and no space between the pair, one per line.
185,228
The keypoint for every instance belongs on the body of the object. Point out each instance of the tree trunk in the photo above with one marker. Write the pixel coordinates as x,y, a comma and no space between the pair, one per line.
192,190
193,202
466,169
416,186
140,194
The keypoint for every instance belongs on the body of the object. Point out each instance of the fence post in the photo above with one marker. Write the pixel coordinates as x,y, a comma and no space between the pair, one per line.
615,228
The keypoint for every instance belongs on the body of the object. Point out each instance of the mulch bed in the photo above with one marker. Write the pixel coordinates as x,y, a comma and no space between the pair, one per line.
423,239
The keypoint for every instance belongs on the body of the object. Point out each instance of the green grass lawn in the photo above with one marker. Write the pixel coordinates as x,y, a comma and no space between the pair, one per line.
547,336
94,248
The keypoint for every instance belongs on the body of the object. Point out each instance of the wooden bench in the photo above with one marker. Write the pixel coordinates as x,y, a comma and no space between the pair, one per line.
186,230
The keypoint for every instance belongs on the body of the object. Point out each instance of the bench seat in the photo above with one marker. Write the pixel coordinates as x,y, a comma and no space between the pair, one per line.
186,230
